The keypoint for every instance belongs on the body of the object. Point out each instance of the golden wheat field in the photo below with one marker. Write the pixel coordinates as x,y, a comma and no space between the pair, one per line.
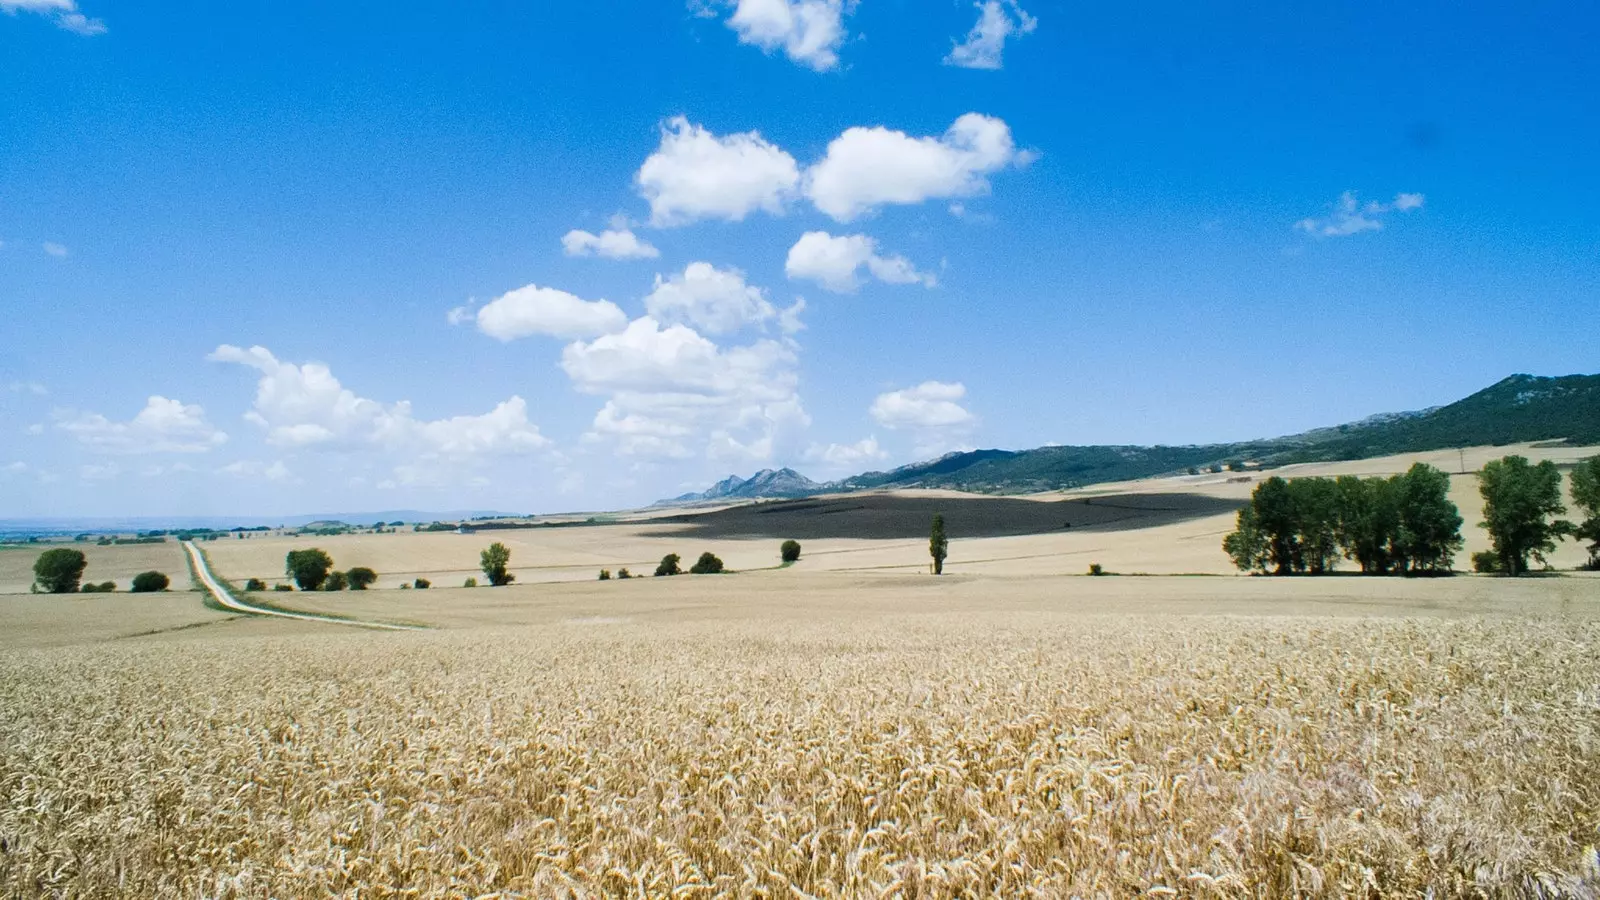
785,735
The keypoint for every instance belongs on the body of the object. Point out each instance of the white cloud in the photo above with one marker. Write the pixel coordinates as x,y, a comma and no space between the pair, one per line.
54,249
853,457
808,31
28,387
932,404
674,393
16,468
696,175
306,406
35,429
985,44
534,310
717,301
98,472
249,468
789,319
1349,216
163,426
459,315
64,13
836,262
611,244
869,167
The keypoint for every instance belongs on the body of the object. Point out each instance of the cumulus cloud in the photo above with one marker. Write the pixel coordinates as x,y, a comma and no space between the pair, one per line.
611,244
809,32
870,167
64,13
163,426
671,392
716,301
696,175
930,407
836,262
1350,216
853,457
305,406
532,310
986,42
54,249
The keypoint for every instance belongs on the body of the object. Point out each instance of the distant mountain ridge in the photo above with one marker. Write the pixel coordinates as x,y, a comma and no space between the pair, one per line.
1518,409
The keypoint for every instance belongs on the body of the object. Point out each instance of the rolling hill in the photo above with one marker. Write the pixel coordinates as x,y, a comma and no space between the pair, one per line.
1518,409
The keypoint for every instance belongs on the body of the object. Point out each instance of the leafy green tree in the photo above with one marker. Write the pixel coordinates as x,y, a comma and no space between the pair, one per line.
1247,545
494,562
255,584
669,566
624,573
938,544
1586,497
707,564
1429,535
1519,500
59,571
1316,516
422,584
308,568
470,582
336,581
360,578
789,551
605,574
1275,515
150,583
1369,522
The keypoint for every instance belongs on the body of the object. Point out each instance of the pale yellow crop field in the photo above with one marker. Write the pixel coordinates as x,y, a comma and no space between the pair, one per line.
117,563
792,733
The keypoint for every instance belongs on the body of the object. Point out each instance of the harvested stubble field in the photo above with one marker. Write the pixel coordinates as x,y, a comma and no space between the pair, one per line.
906,744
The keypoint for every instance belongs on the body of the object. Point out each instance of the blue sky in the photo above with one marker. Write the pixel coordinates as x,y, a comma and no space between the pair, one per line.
271,258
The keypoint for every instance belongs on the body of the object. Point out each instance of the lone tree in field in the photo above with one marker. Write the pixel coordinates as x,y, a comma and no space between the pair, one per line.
938,545
150,583
669,566
1518,502
494,562
1586,497
707,564
59,571
789,551
360,578
308,568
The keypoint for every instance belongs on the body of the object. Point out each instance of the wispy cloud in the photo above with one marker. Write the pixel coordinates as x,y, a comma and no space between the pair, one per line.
985,44
54,249
1350,216
64,13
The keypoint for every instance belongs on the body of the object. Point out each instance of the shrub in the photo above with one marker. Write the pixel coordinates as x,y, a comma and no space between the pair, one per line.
605,574
283,588
1096,569
1486,562
624,573
707,564
255,584
336,581
104,587
150,582
360,578
59,571
422,584
789,551
470,582
404,586
669,565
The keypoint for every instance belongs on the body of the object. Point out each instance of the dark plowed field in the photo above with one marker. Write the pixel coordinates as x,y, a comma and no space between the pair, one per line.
886,516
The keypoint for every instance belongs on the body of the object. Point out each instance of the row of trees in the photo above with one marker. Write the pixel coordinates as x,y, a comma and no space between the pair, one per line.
60,571
1400,525
1406,524
312,570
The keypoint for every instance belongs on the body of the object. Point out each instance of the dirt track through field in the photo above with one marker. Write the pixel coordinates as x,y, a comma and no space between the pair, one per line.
226,599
